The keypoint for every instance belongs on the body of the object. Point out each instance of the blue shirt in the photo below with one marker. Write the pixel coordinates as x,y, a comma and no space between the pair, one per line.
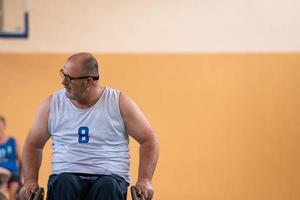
8,156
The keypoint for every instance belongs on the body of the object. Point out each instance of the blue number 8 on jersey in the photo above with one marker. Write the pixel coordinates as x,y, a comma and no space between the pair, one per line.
83,135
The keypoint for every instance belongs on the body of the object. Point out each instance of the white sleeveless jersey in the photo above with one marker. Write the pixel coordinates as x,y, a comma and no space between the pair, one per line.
91,140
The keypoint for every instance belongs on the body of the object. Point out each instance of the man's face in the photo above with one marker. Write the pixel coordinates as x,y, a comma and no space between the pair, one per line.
74,88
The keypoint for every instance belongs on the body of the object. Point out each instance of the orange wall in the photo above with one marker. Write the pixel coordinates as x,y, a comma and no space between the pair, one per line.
228,125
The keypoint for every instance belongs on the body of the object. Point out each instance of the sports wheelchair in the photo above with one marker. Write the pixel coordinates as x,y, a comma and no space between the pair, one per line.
135,195
39,194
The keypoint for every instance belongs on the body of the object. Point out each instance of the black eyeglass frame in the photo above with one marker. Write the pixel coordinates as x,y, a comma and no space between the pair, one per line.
70,78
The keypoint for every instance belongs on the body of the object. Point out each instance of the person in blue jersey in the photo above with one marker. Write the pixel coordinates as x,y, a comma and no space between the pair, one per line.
90,125
10,159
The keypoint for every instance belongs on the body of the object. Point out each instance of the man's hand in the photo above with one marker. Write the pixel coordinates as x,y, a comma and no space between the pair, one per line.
28,188
145,187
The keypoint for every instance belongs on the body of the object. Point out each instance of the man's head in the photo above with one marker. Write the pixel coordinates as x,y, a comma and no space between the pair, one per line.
80,73
2,124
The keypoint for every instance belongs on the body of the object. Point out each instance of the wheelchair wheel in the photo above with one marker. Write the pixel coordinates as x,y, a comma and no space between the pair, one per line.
135,195
38,195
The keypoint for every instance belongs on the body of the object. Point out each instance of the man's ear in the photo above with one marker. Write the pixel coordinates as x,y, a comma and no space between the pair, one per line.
90,82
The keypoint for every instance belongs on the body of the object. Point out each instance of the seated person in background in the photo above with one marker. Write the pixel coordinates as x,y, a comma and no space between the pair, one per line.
10,159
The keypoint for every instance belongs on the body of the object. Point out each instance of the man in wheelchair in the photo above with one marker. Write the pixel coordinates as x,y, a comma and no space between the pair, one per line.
90,125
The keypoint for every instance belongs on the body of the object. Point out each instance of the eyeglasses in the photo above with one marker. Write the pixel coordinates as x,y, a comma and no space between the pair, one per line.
70,78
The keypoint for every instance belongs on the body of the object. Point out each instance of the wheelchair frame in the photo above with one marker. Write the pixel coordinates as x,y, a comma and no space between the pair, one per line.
39,194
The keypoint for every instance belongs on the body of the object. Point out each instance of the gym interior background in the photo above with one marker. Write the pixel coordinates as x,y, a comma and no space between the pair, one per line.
218,80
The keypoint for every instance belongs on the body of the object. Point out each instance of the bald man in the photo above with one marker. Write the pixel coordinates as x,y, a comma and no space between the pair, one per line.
90,125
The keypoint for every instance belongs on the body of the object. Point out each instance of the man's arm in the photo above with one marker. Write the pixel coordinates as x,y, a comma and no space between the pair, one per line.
32,152
138,127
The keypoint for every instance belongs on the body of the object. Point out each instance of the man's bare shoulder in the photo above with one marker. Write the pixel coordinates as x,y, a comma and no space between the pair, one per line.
46,103
127,105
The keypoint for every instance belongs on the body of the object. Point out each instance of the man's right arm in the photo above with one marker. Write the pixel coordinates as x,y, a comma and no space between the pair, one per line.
33,147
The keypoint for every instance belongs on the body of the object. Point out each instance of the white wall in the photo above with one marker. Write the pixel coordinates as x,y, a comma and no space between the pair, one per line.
160,26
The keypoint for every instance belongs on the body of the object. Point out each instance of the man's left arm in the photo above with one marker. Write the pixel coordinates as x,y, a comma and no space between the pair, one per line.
138,127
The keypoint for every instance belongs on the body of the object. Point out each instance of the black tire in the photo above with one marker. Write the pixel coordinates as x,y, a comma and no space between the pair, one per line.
38,195
135,195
